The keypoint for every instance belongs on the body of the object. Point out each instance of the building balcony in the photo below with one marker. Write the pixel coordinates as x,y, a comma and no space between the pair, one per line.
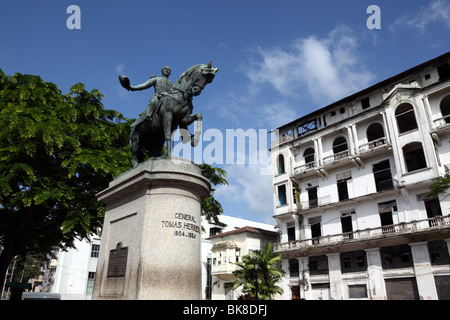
314,203
224,271
365,151
419,230
442,122
374,145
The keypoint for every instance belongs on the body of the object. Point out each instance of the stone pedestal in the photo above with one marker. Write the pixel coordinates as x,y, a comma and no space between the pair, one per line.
151,237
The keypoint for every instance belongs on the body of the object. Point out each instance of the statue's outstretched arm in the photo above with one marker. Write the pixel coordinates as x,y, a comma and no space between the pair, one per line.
150,82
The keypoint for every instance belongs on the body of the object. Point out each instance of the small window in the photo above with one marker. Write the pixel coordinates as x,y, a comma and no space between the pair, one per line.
318,265
414,156
365,103
291,232
316,231
333,113
293,268
282,195
95,250
427,76
308,155
90,282
214,230
342,110
443,71
406,118
342,189
358,291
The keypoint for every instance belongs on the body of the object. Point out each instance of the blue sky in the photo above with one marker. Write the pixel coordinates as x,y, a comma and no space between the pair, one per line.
278,60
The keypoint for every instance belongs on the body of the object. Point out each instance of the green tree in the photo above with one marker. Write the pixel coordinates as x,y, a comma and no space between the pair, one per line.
56,152
261,282
27,267
440,186
211,208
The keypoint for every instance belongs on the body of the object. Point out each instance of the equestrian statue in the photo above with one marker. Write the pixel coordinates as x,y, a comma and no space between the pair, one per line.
168,109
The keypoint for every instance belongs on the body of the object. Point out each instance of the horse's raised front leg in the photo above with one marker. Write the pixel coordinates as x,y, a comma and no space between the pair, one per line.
187,120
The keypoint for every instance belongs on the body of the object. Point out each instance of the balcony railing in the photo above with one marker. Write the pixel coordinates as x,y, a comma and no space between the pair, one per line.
441,122
335,157
373,233
314,203
372,145
304,167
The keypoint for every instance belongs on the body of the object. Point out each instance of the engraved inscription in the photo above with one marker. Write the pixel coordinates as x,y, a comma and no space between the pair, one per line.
187,227
117,264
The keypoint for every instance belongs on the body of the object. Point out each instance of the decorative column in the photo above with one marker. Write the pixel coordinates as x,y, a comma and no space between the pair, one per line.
355,138
350,140
377,287
320,149
423,271
305,284
334,270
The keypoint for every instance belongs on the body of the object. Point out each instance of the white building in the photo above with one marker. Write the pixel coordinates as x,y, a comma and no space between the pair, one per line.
207,246
228,248
350,183
75,271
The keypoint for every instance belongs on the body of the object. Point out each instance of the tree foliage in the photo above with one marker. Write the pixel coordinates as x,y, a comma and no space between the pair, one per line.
440,186
260,283
211,208
56,152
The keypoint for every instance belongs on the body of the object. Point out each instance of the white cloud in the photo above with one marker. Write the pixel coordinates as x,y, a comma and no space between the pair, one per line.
119,68
274,115
437,11
247,185
330,68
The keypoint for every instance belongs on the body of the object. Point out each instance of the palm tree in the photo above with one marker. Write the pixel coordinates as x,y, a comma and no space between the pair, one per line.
264,266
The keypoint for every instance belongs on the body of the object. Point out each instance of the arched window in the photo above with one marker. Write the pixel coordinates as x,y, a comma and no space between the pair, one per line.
375,131
414,156
445,108
280,164
406,118
340,145
308,155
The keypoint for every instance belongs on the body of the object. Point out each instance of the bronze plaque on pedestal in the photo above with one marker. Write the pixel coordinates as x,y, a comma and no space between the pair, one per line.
117,265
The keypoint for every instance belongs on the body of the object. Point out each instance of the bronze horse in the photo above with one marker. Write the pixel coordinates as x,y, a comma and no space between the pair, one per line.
173,110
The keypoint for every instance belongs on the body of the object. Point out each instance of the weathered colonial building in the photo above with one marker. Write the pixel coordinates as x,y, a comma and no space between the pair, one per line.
228,248
350,192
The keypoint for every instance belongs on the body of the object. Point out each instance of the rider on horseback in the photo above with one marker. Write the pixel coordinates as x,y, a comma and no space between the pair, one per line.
162,86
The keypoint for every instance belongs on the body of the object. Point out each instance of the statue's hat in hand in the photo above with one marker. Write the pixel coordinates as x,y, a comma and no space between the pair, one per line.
125,82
